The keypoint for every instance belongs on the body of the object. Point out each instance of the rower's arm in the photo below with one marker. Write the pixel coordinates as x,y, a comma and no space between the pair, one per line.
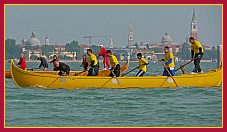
114,66
169,61
192,53
41,64
200,50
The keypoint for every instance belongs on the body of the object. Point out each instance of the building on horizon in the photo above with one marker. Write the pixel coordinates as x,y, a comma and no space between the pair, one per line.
32,41
130,37
194,26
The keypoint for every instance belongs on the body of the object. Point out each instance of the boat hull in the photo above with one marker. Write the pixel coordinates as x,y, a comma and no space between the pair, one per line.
30,79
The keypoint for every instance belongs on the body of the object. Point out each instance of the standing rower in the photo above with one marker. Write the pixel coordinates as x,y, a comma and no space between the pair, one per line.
197,51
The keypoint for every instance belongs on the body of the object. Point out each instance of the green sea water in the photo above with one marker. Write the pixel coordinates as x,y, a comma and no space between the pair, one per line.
155,107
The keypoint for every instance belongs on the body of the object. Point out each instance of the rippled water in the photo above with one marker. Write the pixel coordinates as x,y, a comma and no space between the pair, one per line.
164,107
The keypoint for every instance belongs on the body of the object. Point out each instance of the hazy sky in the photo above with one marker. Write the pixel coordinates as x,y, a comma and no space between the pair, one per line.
66,23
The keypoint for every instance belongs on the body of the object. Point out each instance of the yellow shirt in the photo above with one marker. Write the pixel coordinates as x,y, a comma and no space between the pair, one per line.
167,56
141,62
91,58
195,46
113,60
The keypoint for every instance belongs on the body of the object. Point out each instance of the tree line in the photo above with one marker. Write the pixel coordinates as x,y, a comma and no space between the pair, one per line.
13,50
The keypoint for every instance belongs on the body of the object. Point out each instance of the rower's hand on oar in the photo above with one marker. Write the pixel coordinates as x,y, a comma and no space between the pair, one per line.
145,63
163,63
88,68
112,71
64,74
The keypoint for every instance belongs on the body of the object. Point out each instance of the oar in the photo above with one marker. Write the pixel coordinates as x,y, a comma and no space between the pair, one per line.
70,77
169,74
76,74
64,74
31,69
130,71
98,63
114,76
181,66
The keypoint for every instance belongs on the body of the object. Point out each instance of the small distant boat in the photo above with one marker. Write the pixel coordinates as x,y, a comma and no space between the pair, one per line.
101,72
25,78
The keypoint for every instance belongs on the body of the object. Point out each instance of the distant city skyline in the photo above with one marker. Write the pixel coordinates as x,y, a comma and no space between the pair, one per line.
63,24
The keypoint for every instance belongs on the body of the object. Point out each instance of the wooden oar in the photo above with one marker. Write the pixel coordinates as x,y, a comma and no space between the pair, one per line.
77,74
169,74
119,83
130,71
64,74
98,63
31,69
114,76
182,66
70,77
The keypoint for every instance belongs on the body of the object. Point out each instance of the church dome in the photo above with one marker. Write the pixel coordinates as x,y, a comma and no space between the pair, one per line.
166,39
33,41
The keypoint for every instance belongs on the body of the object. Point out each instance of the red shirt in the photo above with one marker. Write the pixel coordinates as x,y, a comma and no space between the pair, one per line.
103,52
22,63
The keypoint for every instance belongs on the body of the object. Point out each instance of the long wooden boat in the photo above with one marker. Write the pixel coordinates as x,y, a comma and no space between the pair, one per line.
79,73
25,78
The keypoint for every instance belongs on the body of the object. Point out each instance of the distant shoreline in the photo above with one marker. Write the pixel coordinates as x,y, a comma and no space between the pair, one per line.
102,60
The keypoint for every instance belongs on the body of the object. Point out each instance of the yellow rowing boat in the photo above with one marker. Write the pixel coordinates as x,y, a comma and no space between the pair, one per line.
25,78
101,72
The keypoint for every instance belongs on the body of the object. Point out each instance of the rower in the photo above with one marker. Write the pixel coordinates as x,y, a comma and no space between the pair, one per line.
197,51
43,63
63,68
168,62
92,64
55,58
22,62
142,65
84,63
116,68
102,53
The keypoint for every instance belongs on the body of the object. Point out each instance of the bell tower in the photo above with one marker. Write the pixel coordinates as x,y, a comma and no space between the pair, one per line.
47,41
130,36
111,43
194,26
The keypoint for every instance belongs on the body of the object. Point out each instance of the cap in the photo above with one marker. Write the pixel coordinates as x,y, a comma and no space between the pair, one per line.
101,45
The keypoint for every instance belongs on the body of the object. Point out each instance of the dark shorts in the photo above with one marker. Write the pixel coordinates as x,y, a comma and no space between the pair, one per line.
93,71
116,71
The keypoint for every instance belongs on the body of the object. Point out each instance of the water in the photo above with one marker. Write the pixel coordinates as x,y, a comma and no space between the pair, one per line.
168,107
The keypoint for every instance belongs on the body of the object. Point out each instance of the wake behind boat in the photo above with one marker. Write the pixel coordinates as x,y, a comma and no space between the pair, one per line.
25,78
